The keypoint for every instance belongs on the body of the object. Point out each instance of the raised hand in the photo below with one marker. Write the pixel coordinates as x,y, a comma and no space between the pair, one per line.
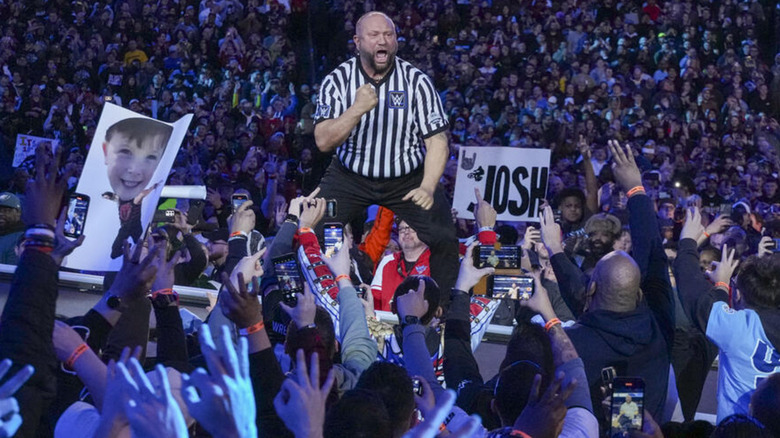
543,415
304,311
551,232
150,411
412,303
9,407
340,263
725,268
312,213
430,427
44,193
301,401
243,219
532,236
250,266
165,274
222,400
136,275
238,303
624,166
484,213
540,300
214,198
469,275
692,228
719,225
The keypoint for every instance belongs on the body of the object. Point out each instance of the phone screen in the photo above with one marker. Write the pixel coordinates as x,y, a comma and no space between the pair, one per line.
334,236
628,404
76,216
508,257
237,200
516,287
288,274
726,209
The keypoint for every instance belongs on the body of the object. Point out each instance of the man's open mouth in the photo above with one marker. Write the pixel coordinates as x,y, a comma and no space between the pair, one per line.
381,56
130,184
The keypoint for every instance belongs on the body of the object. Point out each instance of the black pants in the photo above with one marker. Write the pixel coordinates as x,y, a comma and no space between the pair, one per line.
131,228
434,227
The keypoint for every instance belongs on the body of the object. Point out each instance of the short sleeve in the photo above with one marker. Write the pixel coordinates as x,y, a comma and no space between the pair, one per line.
727,326
430,112
329,100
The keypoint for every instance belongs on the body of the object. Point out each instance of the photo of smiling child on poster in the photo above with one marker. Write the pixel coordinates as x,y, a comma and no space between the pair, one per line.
132,149
127,165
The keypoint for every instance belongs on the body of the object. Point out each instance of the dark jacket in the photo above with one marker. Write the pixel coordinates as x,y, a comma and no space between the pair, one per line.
636,343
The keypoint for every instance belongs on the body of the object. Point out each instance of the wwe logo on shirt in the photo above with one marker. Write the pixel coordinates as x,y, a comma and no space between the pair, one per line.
397,100
323,111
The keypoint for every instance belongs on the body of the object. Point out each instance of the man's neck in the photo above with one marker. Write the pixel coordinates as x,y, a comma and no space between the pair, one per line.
413,255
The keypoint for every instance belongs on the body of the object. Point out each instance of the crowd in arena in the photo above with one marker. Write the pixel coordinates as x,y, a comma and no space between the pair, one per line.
655,255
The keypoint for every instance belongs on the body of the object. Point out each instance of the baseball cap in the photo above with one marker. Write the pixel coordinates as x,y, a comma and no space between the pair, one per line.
603,222
8,199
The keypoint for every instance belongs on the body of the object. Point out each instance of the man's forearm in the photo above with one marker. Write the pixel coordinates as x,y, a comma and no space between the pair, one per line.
329,134
562,347
436,154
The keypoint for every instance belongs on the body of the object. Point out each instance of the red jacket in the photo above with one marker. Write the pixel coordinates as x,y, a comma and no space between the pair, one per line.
391,271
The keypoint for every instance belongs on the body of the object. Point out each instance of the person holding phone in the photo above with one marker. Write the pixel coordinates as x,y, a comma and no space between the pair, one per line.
387,124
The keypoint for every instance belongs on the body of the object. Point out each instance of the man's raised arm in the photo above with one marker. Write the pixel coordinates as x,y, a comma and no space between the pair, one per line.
330,133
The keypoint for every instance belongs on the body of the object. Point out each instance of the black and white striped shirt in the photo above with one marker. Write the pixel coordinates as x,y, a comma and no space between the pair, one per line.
388,140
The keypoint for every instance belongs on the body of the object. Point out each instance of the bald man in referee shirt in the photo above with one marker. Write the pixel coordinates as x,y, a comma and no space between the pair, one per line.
386,122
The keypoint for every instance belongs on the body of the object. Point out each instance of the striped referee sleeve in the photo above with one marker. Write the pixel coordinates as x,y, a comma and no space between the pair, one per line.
429,109
330,103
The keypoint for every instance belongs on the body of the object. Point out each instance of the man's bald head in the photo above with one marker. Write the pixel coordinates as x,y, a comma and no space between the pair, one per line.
367,15
615,283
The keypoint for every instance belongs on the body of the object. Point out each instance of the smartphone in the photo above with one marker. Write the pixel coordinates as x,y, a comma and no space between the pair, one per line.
776,246
628,404
288,275
557,216
361,292
507,257
195,211
726,209
516,287
167,216
76,217
334,237
237,199
331,208
417,387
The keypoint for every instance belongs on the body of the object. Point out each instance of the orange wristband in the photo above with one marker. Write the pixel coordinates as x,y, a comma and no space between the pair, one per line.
706,234
162,291
252,329
724,285
519,433
342,277
237,233
635,190
551,323
75,355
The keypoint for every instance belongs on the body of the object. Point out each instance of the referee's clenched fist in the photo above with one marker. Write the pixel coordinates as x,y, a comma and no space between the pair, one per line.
366,98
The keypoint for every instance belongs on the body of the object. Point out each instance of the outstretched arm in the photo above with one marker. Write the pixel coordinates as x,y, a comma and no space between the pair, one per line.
140,197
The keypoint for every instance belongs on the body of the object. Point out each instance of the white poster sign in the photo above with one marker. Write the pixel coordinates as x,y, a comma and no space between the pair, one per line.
513,180
128,163
26,144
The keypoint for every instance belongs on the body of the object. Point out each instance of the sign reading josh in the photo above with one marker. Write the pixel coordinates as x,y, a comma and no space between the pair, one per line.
513,180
